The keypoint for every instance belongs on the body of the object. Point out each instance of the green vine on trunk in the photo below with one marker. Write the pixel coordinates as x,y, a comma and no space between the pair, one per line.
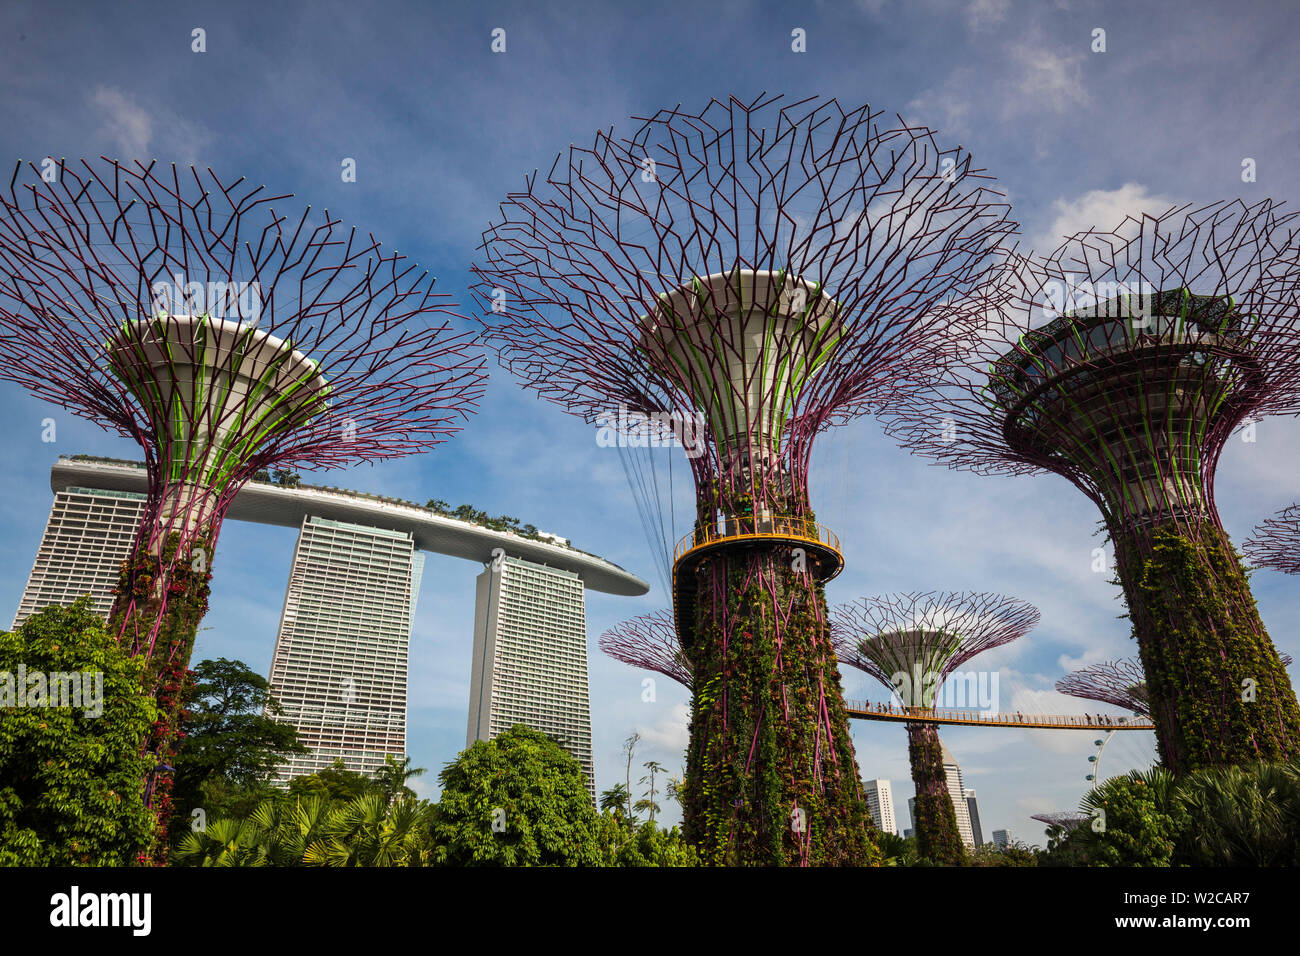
1219,693
766,784
937,836
171,590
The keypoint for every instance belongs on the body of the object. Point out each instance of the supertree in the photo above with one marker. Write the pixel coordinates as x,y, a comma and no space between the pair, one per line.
1275,542
650,643
763,271
225,336
1122,683
1062,820
911,643
1164,335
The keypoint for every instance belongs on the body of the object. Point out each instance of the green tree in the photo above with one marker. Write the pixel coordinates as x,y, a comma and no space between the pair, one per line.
673,789
1136,820
276,833
373,831
516,800
1246,815
1014,853
1067,846
312,831
614,800
228,841
70,777
391,777
648,845
897,850
335,783
233,743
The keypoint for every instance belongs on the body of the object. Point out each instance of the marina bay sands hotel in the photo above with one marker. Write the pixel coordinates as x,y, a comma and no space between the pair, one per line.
339,669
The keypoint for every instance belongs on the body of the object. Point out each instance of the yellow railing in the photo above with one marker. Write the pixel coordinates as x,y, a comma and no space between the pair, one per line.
873,711
750,526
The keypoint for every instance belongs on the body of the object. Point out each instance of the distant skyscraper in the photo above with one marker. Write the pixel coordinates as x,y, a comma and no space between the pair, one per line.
340,662
1002,838
339,667
530,657
880,801
973,810
88,536
908,832
958,794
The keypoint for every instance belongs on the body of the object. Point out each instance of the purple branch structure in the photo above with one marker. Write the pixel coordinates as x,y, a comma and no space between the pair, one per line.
912,643
1276,542
1122,683
649,642
225,335
1062,820
1123,361
745,277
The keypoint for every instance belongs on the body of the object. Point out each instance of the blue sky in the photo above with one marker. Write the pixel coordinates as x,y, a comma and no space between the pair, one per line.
441,128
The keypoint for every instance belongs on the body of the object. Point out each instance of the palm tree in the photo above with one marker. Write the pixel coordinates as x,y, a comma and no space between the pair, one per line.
649,803
276,833
364,831
1247,815
391,778
225,842
368,832
614,800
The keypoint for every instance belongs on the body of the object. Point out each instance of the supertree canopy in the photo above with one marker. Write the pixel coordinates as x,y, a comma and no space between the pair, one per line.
650,643
1062,820
1164,335
762,270
1275,542
1122,683
225,336
911,643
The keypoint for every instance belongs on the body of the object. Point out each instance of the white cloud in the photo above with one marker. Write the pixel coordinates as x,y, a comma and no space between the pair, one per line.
1030,80
136,133
1099,209
125,124
946,108
671,732
984,14
1046,78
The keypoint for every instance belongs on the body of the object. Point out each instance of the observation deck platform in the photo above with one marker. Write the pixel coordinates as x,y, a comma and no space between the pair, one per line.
822,547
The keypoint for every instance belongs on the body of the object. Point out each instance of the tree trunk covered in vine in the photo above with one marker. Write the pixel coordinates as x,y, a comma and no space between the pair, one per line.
162,596
934,817
1219,694
771,777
